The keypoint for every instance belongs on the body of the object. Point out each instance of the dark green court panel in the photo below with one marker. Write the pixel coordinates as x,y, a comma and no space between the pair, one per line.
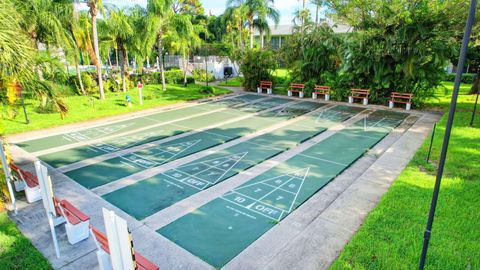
76,154
222,228
106,171
130,124
149,196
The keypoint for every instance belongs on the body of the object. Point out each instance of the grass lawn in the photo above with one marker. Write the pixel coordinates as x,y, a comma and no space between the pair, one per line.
16,251
392,235
82,108
235,82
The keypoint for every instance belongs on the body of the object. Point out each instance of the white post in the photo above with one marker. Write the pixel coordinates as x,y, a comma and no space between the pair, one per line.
47,198
119,241
350,100
259,90
300,94
269,91
289,93
409,106
314,95
390,104
327,97
140,86
8,177
365,101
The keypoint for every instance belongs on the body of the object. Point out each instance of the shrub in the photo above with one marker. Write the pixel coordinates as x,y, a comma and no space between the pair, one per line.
206,90
173,76
466,78
89,84
256,66
200,76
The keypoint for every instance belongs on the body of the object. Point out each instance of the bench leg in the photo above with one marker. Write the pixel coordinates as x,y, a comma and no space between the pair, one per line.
19,185
78,232
33,194
300,94
365,101
103,260
259,90
409,106
269,91
350,100
390,104
289,93
314,95
327,97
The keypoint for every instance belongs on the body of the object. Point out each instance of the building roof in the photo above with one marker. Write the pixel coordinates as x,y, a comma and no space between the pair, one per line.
287,30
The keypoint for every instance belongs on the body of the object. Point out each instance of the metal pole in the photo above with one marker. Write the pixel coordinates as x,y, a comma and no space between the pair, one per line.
431,142
474,111
448,130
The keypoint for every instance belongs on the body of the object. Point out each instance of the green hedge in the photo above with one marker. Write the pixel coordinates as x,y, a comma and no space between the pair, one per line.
466,77
174,76
200,76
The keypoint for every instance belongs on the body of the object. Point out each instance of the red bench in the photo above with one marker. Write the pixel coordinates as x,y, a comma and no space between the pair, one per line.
321,90
405,98
25,180
296,87
102,242
357,93
77,223
267,85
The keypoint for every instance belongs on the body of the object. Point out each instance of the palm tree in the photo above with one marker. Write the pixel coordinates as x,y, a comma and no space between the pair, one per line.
256,9
318,4
94,6
183,37
119,31
158,12
263,28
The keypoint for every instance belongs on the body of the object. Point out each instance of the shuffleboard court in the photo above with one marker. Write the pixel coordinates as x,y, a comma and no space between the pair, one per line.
131,124
222,228
149,196
64,157
106,171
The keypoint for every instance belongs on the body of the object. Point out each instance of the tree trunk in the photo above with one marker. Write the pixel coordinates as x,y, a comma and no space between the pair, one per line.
116,55
160,58
250,32
316,14
97,55
123,67
262,39
476,83
185,65
126,58
79,76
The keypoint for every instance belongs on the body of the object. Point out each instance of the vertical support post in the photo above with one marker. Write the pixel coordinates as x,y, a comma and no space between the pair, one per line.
47,199
119,241
8,177
431,142
474,111
448,130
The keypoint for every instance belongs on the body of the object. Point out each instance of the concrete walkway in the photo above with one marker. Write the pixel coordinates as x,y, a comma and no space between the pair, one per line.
309,238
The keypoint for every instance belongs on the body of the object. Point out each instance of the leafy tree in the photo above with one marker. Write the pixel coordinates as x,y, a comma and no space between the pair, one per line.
94,7
257,65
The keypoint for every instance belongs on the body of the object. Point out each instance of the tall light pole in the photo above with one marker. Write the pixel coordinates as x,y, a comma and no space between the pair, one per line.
448,130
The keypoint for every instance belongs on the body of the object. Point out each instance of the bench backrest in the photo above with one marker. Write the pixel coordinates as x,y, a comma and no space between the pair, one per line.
360,92
266,84
297,86
407,96
102,240
322,89
29,179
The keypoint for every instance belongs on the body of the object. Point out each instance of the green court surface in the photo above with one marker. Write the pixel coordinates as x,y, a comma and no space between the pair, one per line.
222,228
149,196
104,172
131,124
75,154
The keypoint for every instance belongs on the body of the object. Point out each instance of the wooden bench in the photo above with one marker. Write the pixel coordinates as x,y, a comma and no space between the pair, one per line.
267,85
405,98
25,180
101,241
321,90
296,87
77,223
357,93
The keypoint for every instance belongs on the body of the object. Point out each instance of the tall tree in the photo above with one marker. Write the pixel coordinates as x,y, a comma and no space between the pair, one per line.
157,25
256,9
94,7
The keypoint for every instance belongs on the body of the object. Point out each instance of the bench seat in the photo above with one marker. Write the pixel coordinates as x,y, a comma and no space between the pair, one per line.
297,88
25,180
357,93
321,90
265,85
404,98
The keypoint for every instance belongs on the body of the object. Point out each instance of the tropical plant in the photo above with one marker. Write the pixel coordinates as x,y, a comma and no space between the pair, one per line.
257,65
94,7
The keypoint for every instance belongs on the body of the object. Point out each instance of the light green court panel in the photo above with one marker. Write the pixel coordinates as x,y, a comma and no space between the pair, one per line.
149,196
222,228
130,124
106,171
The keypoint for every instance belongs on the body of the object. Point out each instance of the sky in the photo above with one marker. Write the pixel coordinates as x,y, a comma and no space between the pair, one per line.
216,7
